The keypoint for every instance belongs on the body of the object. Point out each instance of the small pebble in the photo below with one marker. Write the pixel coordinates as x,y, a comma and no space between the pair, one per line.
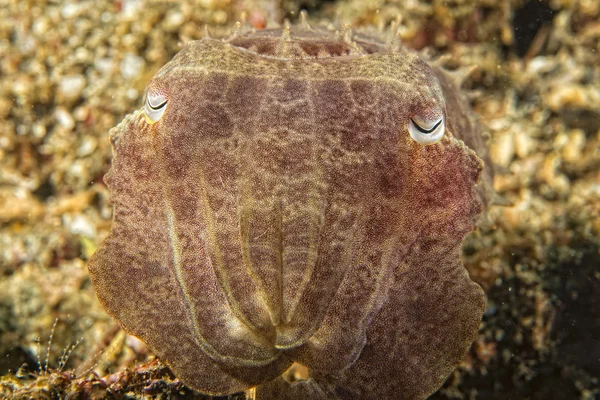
132,66
87,147
502,148
71,86
64,118
81,225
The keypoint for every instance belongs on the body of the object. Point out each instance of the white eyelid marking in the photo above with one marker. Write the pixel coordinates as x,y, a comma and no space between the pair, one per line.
154,106
426,132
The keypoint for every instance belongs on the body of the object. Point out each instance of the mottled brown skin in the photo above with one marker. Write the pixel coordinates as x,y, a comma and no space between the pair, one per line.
280,212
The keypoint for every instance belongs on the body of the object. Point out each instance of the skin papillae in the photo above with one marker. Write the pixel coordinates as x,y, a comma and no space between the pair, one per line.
279,211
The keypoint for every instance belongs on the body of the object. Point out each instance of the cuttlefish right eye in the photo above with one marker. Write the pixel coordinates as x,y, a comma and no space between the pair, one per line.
155,106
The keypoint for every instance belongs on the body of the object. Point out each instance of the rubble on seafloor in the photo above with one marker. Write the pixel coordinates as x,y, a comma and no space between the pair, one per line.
71,70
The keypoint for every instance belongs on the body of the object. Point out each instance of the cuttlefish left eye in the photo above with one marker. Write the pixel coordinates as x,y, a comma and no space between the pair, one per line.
426,131
154,106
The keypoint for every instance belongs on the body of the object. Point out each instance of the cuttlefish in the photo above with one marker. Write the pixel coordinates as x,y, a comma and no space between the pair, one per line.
297,196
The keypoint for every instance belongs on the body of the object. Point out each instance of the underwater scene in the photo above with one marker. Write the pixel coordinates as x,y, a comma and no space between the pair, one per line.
279,199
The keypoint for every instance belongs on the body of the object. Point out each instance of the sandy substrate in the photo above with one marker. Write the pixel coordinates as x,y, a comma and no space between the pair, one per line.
69,71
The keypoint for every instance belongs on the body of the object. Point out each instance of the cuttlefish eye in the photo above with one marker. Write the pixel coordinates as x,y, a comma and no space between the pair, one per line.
426,131
154,106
